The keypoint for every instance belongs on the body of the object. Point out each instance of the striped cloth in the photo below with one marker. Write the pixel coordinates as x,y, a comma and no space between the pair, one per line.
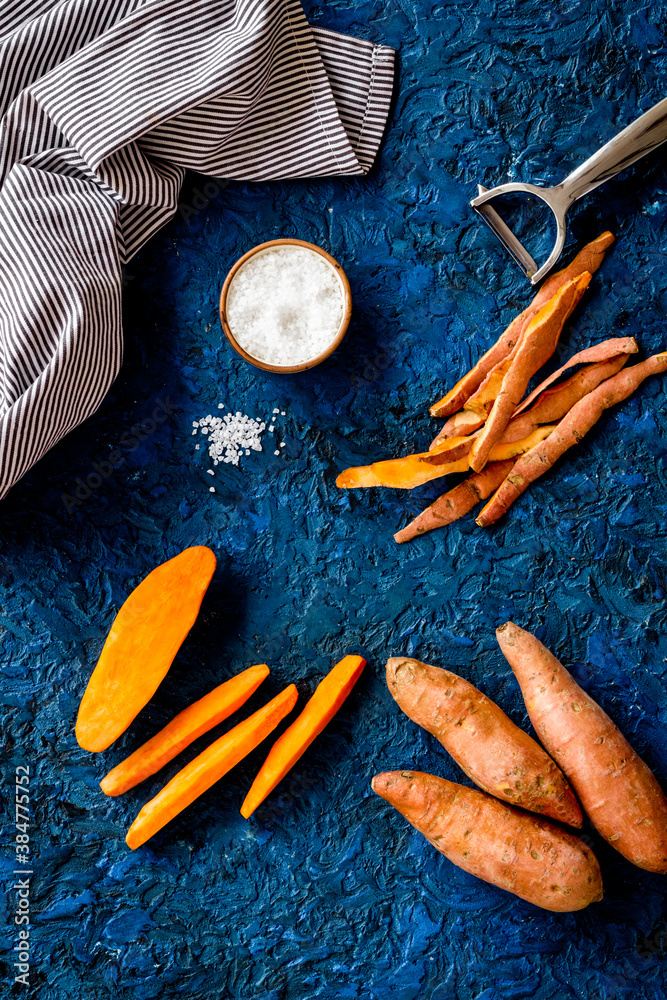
104,104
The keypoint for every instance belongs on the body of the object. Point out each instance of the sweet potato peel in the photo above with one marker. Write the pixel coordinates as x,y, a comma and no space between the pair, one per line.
415,470
554,403
460,424
588,259
571,429
536,347
599,352
458,501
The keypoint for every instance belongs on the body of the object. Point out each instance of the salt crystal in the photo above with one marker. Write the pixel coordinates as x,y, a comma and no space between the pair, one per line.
285,306
211,489
276,453
230,436
210,472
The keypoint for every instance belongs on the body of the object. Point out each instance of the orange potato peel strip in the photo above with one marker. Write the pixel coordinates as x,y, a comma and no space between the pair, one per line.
184,728
598,352
458,502
327,698
571,429
553,403
537,345
211,765
414,470
467,421
459,424
588,259
550,405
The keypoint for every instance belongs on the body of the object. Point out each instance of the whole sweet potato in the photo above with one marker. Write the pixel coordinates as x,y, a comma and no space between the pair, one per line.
531,857
489,747
616,788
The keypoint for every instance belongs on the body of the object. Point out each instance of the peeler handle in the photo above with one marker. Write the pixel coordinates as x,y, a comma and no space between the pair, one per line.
645,134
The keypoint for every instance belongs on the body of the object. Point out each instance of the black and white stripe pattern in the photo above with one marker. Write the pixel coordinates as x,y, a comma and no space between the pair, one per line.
104,104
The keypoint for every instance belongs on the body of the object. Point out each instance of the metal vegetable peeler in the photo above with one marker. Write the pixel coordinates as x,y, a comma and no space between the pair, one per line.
641,137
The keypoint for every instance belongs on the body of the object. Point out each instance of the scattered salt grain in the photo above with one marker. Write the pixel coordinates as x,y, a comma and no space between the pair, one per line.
285,306
210,472
230,436
276,453
211,489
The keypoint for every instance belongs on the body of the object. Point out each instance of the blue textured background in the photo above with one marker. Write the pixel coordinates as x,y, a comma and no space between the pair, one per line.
327,892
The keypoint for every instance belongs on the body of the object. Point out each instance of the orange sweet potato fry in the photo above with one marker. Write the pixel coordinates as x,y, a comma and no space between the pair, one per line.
146,635
329,695
588,259
211,765
571,429
537,345
184,728
458,501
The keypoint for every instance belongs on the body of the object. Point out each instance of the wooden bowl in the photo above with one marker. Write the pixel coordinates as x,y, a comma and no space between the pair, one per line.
342,329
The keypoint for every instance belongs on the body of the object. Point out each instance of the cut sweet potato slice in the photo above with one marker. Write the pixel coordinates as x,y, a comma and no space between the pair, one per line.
184,729
211,765
145,637
329,695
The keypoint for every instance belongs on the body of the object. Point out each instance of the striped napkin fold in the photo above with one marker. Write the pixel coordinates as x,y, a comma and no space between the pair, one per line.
104,104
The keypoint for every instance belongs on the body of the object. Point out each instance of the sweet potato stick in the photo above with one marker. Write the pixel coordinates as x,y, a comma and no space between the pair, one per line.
536,347
184,728
458,501
589,259
414,470
461,423
569,431
198,776
328,697
599,352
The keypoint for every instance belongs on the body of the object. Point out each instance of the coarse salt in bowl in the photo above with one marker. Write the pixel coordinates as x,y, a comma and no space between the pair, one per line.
285,305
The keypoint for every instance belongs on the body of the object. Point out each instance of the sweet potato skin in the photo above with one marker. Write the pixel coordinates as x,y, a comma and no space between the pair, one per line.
530,857
457,502
589,259
569,432
616,788
497,755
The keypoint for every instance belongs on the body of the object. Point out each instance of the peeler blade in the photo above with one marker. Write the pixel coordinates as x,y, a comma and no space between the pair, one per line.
514,246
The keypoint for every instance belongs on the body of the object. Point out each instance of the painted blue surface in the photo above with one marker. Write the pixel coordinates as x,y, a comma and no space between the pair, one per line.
327,892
